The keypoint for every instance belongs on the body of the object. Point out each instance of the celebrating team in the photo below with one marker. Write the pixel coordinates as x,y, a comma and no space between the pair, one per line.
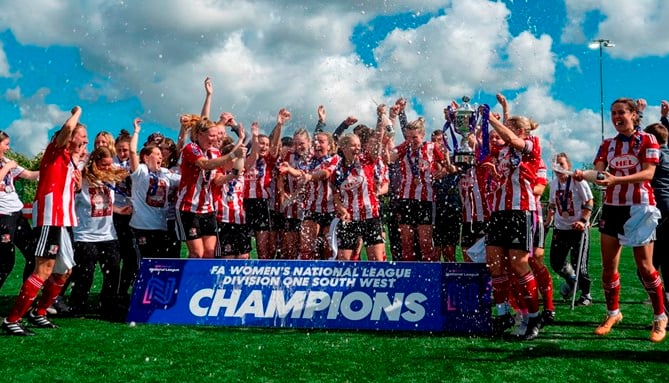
320,200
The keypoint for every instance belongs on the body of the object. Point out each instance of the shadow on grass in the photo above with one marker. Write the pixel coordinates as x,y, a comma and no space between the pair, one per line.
541,349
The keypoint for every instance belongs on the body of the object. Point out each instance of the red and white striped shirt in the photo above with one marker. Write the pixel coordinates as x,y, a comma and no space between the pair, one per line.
416,168
257,180
230,201
54,198
294,187
623,156
474,185
319,194
542,179
194,193
518,173
357,184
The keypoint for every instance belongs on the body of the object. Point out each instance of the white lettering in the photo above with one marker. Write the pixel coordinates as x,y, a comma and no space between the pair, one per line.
356,305
277,305
316,301
416,310
253,305
347,309
194,305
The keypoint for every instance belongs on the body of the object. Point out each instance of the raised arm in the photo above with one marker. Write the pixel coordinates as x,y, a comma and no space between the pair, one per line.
254,153
275,137
65,132
209,90
320,125
350,120
505,106
400,109
506,134
134,156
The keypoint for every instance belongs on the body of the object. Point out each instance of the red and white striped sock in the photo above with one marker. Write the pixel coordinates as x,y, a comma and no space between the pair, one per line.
25,299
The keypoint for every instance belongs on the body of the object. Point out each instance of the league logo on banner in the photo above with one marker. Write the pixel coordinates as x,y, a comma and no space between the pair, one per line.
323,294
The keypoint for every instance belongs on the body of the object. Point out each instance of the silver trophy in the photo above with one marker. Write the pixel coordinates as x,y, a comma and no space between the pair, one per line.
465,125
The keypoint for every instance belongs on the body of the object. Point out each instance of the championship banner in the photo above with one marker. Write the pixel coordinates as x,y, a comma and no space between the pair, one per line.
415,296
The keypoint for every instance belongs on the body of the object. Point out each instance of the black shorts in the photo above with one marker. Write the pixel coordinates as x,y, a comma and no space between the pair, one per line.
510,229
233,239
613,219
50,244
370,230
152,243
8,225
322,219
472,232
415,213
276,221
447,225
193,226
292,225
257,214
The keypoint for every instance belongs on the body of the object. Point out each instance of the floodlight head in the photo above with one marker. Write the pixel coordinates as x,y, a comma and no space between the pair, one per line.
599,43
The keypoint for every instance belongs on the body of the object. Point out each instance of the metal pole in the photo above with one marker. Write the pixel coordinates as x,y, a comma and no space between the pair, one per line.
601,87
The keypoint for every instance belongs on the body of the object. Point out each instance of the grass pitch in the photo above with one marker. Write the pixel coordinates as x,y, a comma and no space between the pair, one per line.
92,350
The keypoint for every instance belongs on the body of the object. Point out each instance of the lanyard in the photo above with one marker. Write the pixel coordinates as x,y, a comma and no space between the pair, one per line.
564,198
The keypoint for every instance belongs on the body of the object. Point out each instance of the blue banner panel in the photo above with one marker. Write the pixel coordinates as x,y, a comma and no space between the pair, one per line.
412,296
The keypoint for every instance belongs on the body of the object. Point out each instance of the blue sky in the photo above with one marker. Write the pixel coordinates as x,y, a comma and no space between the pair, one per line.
149,59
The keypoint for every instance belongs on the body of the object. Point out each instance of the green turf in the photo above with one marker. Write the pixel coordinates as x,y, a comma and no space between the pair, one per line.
87,350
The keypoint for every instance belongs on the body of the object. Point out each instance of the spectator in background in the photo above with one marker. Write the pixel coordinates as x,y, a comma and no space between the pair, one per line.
570,207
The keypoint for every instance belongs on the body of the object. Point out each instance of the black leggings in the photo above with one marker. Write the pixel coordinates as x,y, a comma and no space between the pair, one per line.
87,255
15,230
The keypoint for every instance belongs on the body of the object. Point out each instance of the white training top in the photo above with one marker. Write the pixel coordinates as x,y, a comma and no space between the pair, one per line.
94,208
9,199
150,191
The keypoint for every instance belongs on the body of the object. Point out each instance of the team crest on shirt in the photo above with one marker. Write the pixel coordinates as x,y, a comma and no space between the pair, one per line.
352,183
53,250
624,162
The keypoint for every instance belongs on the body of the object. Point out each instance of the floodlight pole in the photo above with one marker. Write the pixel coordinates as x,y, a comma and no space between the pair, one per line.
601,44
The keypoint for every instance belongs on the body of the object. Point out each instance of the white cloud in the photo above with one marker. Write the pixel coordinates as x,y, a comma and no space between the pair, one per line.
4,65
561,128
636,27
30,133
264,55
571,62
13,95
